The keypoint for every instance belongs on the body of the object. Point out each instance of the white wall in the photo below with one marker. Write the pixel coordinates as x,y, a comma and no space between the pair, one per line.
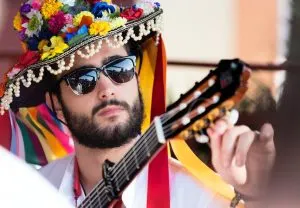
197,30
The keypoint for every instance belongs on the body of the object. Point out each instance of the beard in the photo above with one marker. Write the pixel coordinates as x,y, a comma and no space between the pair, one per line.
90,134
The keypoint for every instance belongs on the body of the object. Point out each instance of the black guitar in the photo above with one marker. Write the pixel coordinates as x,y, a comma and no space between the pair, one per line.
187,118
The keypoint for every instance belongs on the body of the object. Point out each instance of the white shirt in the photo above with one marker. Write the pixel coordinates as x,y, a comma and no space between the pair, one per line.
22,186
185,191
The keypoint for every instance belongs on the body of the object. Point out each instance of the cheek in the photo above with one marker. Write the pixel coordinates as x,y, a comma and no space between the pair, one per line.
129,92
77,104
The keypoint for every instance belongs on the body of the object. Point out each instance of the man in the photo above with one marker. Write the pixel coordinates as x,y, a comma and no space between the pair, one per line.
100,100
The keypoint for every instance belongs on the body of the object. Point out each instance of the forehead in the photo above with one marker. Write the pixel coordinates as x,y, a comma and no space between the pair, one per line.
98,59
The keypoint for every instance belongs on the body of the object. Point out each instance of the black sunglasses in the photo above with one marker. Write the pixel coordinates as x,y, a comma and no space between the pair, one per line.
84,79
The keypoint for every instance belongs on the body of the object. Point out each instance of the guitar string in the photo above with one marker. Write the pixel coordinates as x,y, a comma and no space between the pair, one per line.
116,174
137,151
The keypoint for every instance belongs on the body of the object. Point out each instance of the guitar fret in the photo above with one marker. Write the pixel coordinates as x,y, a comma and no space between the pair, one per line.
125,170
147,148
137,165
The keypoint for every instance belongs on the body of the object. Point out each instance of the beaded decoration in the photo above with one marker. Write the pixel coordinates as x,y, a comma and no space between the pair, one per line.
55,31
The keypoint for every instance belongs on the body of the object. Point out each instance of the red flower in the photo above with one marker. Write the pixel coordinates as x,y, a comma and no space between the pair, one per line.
93,1
30,57
57,22
132,13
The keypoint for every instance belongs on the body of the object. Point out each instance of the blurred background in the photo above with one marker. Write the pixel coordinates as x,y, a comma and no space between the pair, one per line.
200,33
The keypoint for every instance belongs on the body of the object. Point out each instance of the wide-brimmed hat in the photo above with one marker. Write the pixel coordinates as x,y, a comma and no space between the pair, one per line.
53,32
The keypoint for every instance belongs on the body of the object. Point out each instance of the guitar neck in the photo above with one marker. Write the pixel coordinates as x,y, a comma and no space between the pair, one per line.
122,173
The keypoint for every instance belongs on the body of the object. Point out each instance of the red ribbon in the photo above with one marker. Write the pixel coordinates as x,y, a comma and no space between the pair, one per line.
158,173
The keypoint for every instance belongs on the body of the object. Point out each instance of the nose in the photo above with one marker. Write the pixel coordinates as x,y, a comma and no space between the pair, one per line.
106,89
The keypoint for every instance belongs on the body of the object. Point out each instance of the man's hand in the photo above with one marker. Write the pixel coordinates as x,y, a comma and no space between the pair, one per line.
242,157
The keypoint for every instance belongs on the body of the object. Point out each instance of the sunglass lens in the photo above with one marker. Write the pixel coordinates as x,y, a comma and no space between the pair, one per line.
121,71
83,82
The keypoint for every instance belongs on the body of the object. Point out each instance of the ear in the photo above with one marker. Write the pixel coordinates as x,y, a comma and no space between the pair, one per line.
54,105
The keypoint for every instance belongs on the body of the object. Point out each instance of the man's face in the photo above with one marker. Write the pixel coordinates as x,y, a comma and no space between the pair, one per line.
111,114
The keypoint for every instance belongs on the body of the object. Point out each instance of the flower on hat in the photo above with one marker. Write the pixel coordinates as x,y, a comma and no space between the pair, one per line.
30,57
25,8
118,22
58,46
101,7
83,16
68,2
32,43
68,19
13,72
18,22
50,7
92,1
57,22
36,4
132,13
99,28
74,35
34,25
42,43
22,35
147,6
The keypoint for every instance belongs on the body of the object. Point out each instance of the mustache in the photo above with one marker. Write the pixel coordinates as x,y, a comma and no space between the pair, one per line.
108,103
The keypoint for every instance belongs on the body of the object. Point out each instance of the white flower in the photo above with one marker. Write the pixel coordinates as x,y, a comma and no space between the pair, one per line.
64,29
146,6
34,25
68,2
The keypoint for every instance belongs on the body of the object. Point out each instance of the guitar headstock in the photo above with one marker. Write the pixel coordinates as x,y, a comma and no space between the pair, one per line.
208,100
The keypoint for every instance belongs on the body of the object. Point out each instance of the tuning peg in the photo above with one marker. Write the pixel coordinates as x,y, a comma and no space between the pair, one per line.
233,116
211,82
187,134
197,93
201,138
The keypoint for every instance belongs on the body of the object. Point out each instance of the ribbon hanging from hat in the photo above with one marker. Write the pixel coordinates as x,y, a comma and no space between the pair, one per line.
153,87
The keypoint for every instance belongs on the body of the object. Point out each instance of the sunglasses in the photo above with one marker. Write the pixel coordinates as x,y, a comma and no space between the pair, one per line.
84,79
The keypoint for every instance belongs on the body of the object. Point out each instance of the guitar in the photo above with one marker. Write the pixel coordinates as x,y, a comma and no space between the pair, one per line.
187,118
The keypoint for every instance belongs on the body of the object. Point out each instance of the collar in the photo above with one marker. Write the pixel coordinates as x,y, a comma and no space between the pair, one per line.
135,193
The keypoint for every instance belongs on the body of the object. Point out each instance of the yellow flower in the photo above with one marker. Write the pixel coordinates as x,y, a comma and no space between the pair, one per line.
18,22
42,43
118,22
107,1
99,28
58,46
50,7
77,19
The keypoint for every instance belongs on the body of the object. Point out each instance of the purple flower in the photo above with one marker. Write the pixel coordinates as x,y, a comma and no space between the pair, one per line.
22,35
100,7
157,4
25,8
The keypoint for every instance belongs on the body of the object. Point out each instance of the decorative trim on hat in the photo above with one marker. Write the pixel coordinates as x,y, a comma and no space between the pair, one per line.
86,49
